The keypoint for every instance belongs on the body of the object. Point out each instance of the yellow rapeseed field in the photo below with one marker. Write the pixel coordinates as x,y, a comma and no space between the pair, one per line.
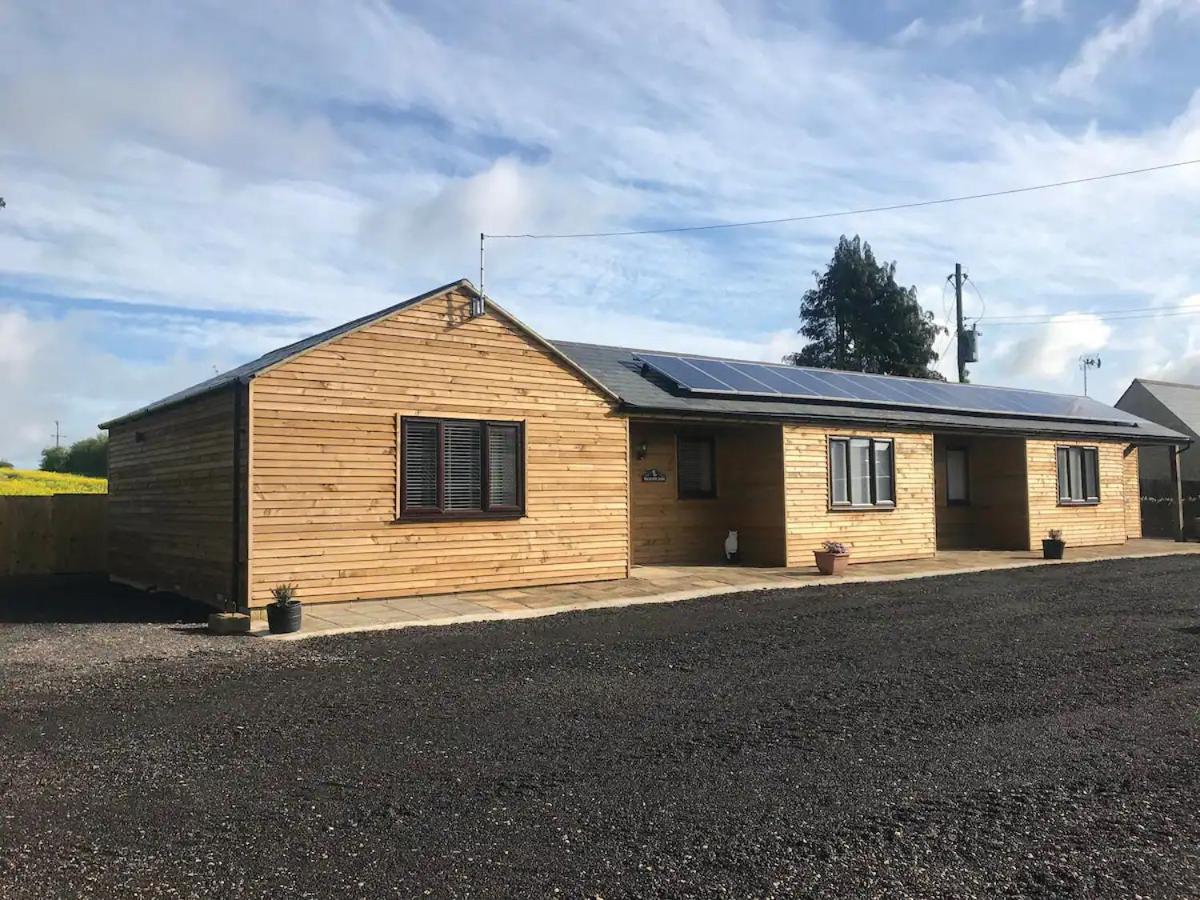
32,483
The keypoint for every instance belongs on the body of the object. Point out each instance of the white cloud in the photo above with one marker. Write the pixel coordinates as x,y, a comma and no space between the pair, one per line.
52,371
943,34
1116,39
1053,350
1185,370
325,165
1037,10
18,346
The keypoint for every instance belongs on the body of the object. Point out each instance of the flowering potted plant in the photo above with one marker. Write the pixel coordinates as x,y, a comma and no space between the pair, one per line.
832,558
1053,545
283,616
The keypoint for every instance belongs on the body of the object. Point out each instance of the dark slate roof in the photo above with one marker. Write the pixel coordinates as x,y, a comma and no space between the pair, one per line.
245,372
617,369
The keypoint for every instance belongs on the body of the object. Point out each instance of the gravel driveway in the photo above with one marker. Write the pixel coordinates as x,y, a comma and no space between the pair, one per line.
1031,732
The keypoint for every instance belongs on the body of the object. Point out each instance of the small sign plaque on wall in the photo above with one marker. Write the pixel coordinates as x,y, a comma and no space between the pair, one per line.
653,475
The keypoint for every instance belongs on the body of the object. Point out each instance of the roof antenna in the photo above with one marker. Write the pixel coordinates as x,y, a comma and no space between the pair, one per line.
1090,361
477,302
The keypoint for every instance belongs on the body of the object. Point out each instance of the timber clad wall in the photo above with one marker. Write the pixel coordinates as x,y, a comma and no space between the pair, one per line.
324,463
1082,526
666,530
906,532
1133,494
170,501
59,534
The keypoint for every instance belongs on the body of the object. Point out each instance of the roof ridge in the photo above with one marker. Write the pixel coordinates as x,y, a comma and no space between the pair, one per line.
1182,384
759,362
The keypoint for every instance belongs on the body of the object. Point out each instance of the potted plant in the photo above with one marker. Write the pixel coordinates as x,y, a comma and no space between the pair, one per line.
283,616
1053,545
832,558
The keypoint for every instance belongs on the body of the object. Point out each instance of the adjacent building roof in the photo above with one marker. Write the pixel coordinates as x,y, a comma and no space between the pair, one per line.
621,370
1169,403
619,374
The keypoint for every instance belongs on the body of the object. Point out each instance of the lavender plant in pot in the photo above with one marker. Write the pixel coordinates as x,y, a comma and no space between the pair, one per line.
283,616
832,558
1053,544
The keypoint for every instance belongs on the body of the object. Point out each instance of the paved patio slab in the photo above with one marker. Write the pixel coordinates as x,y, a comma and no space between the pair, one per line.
668,584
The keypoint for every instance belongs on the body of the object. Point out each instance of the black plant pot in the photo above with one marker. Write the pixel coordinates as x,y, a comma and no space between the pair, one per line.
284,619
1053,549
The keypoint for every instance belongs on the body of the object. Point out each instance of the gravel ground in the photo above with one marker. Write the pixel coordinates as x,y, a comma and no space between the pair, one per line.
1031,732
56,633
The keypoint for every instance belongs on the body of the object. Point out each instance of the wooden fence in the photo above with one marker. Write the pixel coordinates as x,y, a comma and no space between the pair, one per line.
1159,518
60,534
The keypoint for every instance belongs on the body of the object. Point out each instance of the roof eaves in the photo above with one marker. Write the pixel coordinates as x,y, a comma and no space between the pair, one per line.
301,347
1036,427
356,325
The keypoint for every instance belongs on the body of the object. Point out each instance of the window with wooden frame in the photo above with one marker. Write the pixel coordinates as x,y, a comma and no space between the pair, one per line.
1078,476
958,477
862,473
461,469
696,467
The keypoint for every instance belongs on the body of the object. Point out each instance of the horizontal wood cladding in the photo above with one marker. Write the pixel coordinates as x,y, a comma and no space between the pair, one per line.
1082,526
995,516
324,465
906,532
170,508
1133,494
59,534
667,530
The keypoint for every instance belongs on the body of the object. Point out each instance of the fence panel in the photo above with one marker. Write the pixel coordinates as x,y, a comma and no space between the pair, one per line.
60,534
1159,518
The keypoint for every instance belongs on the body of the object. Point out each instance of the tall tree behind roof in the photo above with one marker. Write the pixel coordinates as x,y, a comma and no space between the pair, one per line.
857,317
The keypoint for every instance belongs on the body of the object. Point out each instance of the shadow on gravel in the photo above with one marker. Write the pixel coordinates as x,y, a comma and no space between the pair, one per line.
28,599
197,628
1191,629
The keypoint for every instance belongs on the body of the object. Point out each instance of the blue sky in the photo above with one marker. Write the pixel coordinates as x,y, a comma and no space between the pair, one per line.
189,185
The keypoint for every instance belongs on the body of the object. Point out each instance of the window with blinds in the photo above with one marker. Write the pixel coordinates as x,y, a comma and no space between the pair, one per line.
459,468
1078,475
862,473
504,452
697,466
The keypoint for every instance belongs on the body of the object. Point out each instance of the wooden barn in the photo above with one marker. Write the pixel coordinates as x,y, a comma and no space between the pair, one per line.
440,445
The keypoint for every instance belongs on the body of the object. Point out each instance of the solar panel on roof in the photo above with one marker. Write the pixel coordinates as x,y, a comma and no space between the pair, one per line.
809,384
700,375
735,378
768,377
685,374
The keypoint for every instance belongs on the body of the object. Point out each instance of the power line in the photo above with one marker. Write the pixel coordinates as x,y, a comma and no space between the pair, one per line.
982,302
951,333
1073,317
1102,312
850,212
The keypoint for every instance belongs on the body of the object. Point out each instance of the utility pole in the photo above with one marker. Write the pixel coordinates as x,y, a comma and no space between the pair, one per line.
58,435
958,334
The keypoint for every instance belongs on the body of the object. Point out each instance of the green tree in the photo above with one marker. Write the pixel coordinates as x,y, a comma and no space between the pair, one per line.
5,464
858,318
86,457
53,459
